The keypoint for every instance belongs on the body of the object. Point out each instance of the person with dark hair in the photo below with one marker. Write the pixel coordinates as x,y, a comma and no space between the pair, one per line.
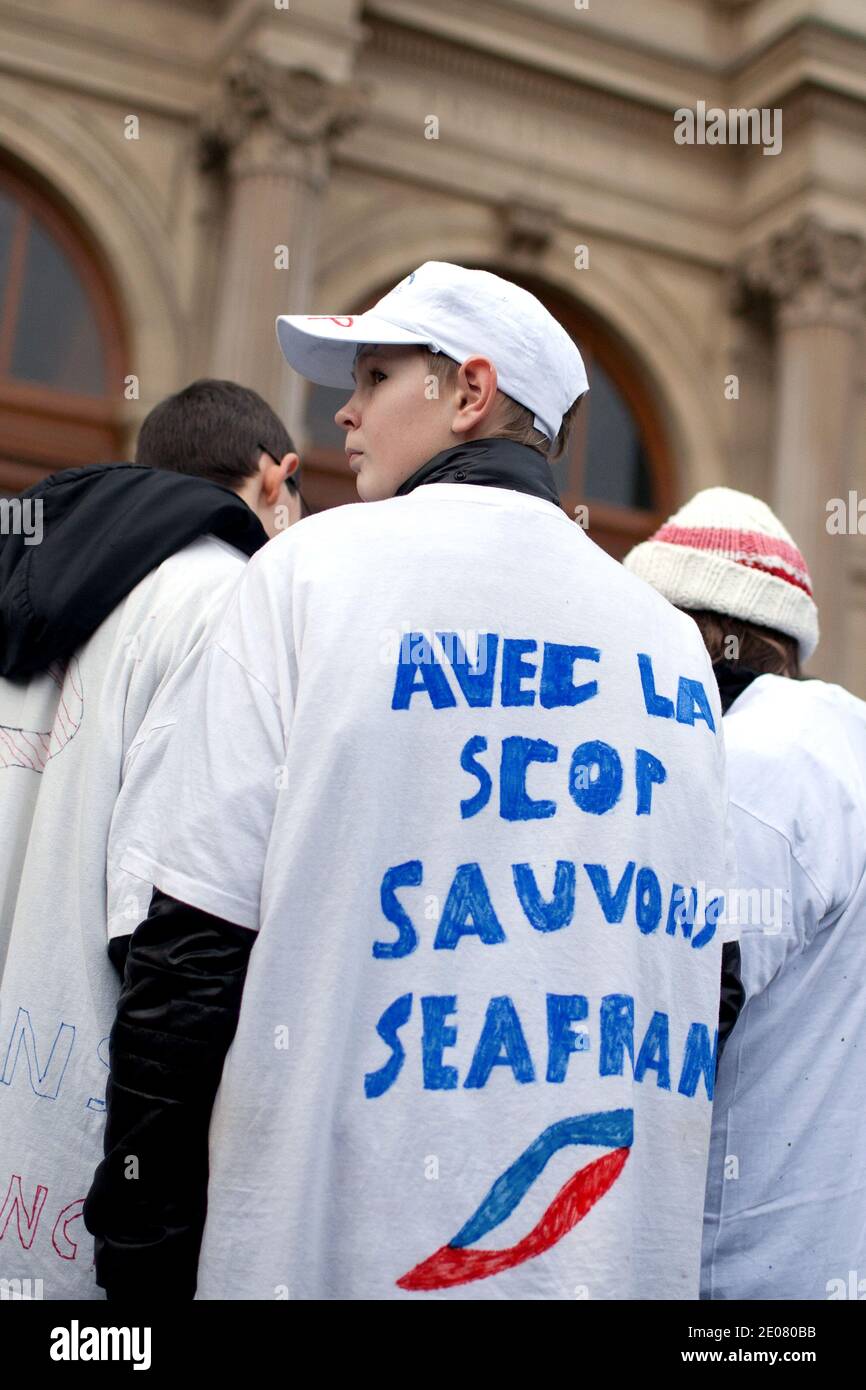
785,1208
102,624
229,435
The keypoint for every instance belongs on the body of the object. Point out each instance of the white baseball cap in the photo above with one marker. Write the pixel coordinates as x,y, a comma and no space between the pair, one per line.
459,312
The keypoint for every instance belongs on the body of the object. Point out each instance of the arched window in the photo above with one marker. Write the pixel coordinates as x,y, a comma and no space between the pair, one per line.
617,462
61,343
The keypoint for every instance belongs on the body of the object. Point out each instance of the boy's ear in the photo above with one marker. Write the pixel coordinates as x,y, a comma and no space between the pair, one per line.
477,387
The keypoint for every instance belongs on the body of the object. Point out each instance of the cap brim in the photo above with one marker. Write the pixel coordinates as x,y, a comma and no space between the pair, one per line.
322,348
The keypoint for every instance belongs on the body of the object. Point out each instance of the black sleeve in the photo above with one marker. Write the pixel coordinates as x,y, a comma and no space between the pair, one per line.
176,1017
733,995
118,950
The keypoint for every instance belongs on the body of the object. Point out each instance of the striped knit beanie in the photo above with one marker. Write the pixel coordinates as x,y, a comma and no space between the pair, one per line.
726,552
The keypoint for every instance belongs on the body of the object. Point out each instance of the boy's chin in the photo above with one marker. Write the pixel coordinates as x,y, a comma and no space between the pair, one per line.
378,482
366,489
373,488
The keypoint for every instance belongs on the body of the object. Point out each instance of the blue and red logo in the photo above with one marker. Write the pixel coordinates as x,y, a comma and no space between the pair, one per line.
455,1263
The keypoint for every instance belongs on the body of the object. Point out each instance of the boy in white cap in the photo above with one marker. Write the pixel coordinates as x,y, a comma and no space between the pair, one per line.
786,1213
459,777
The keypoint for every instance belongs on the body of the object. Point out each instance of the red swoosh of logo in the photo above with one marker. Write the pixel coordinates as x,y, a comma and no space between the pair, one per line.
452,1265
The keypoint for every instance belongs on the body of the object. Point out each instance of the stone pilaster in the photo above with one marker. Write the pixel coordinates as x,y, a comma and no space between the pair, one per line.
816,278
272,133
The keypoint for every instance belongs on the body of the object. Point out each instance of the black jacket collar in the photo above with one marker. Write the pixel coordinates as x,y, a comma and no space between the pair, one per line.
732,681
490,463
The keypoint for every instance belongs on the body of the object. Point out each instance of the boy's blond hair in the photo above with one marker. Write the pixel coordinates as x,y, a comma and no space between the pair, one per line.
518,422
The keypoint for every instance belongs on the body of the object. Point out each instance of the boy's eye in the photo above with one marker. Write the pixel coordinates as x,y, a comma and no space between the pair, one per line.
374,373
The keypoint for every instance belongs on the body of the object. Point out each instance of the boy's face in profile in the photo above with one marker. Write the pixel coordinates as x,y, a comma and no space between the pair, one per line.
391,426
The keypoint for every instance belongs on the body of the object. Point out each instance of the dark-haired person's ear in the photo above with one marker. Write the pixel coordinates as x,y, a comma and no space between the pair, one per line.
275,474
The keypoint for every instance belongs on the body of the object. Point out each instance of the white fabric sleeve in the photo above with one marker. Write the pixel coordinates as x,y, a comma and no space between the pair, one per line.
201,796
779,906
168,635
168,648
128,897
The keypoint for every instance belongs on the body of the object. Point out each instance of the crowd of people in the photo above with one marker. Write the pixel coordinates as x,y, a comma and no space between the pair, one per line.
409,900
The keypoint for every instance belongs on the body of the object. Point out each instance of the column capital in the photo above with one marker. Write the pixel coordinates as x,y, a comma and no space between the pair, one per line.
272,119
810,272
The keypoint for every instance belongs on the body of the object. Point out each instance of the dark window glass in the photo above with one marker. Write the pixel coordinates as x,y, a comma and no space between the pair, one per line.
562,467
322,404
616,468
57,340
8,213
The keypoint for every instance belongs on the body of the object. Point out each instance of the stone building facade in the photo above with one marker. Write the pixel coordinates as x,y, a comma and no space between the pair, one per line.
173,173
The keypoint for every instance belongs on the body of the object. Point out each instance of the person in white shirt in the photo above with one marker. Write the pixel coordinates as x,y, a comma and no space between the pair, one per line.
429,825
786,1192
101,625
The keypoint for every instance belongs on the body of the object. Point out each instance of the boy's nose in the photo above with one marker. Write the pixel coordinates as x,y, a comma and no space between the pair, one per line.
347,416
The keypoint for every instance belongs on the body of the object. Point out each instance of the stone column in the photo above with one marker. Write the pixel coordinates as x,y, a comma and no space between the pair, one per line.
272,133
751,358
817,279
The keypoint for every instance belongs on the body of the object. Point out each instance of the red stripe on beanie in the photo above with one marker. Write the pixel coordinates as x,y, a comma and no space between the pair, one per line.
743,547
779,574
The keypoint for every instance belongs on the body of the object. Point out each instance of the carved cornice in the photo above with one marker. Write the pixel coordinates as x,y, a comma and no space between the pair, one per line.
809,103
270,118
515,82
810,271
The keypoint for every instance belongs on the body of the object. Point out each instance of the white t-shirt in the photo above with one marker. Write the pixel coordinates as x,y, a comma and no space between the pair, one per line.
65,738
786,1193
441,840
